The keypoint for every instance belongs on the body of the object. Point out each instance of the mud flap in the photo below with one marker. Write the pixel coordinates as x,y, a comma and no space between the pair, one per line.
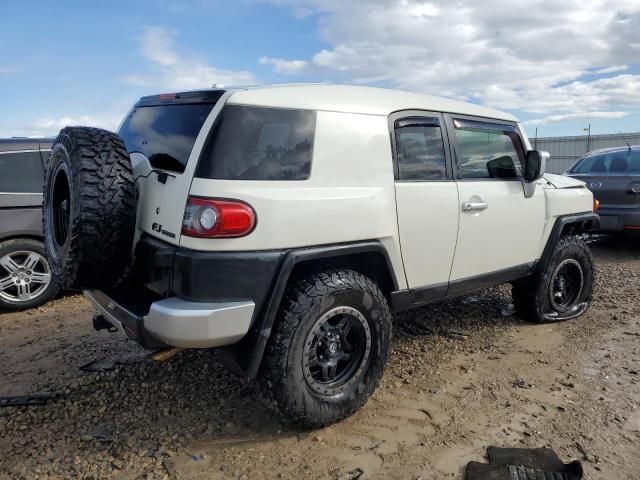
523,464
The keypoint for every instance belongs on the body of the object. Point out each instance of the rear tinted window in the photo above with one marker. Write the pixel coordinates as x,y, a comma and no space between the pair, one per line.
622,161
21,173
257,143
165,134
420,153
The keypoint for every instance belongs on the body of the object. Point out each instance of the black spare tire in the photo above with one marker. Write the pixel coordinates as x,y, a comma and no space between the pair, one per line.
89,208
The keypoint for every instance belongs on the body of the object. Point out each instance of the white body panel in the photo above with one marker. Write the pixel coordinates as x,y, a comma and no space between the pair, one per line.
428,224
506,234
349,196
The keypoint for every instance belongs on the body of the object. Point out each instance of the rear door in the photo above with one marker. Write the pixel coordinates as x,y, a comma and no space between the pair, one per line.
164,135
427,201
499,229
21,179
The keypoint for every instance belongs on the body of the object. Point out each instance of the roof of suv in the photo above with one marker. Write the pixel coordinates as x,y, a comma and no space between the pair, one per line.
18,144
356,99
625,148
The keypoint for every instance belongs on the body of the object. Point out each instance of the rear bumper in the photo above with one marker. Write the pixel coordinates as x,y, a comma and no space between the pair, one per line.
176,322
184,298
619,219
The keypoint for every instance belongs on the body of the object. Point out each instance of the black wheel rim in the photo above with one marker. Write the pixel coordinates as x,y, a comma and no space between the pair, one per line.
336,351
60,207
566,285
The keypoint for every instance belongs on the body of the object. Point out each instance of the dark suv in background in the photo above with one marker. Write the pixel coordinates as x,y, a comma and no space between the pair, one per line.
613,175
25,276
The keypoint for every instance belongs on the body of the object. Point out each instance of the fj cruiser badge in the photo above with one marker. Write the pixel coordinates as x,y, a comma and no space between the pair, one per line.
156,227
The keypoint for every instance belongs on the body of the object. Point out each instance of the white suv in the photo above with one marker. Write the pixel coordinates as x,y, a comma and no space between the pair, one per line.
286,223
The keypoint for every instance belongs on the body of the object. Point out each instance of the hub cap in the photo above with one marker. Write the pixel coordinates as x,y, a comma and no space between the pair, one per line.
566,285
336,351
24,276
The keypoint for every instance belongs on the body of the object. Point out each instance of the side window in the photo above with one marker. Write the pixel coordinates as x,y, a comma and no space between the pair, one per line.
613,162
21,173
259,143
488,150
420,151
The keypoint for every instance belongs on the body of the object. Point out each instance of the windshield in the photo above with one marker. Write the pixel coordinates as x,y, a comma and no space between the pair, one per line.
165,134
616,162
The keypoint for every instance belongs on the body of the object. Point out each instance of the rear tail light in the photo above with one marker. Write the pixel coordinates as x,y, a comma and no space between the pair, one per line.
209,218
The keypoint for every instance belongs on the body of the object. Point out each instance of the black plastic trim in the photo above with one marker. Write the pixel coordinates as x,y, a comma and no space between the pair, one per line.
429,293
256,341
582,222
131,318
491,279
181,98
417,297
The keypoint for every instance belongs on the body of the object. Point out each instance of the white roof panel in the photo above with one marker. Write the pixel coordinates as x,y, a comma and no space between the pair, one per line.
356,99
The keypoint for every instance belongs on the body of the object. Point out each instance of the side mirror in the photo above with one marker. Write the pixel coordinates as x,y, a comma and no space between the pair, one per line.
534,165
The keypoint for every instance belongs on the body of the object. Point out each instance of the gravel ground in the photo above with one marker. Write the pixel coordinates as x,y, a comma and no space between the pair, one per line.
464,374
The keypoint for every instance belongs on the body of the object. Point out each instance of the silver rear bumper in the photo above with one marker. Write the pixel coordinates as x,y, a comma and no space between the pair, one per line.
180,323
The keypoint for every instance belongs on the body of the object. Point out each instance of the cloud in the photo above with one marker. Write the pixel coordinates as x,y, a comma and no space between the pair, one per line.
170,69
611,69
537,57
575,116
284,66
157,46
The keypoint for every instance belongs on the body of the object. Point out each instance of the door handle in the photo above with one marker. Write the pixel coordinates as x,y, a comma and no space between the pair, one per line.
474,206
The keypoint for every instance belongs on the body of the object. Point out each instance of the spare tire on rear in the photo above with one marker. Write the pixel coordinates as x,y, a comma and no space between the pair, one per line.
89,208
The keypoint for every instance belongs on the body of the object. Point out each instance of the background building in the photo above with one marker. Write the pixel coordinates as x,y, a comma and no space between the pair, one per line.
566,150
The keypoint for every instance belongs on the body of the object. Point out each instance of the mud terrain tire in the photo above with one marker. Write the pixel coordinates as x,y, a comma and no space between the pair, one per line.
289,382
539,299
89,208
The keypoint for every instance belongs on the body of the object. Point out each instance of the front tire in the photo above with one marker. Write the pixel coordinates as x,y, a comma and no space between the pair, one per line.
26,280
563,291
329,347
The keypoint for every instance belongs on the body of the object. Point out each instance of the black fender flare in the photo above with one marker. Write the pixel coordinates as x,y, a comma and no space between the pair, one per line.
578,223
246,356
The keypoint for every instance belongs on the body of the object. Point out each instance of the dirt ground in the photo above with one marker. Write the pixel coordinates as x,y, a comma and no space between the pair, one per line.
464,375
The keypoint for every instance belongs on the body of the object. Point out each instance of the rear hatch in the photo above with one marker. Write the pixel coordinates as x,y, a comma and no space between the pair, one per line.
164,135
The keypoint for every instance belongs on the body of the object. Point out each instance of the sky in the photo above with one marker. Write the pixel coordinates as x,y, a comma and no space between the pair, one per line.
558,65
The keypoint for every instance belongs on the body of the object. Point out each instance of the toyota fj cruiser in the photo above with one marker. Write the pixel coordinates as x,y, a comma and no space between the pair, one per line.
285,224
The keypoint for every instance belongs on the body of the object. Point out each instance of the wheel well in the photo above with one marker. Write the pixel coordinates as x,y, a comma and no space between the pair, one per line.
371,264
577,227
21,237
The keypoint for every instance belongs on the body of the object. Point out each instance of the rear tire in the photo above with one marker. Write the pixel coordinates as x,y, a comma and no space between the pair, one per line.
329,347
26,280
563,291
89,208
